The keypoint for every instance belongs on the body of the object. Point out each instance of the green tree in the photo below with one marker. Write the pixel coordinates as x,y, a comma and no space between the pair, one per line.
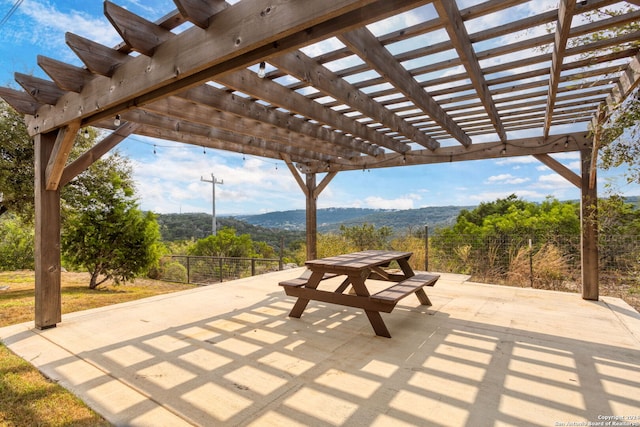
16,164
619,227
104,231
16,243
618,132
487,239
224,244
366,236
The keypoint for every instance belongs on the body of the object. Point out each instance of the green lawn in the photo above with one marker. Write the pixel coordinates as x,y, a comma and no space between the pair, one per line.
27,398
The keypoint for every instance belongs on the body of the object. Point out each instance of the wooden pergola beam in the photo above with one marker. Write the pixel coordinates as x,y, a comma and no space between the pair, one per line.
197,113
478,151
275,94
560,169
363,43
139,34
60,153
242,107
155,126
200,12
239,38
453,23
563,27
83,162
43,91
65,76
20,101
306,69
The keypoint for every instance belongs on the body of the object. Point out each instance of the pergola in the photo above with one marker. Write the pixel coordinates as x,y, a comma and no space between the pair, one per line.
330,86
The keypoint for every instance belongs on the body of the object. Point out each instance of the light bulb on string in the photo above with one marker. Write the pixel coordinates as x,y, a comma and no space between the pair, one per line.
262,70
116,121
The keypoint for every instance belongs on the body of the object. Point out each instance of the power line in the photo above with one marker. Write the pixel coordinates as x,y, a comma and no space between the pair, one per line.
11,11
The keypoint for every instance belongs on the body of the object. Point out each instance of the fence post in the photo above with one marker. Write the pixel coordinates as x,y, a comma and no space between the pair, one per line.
253,266
531,262
426,248
280,263
221,275
188,269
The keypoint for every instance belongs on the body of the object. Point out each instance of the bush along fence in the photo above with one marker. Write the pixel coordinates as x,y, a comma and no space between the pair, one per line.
204,270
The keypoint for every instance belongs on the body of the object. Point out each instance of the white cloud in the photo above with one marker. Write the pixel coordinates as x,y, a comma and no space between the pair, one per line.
171,181
505,178
404,202
552,181
490,196
49,24
523,160
402,20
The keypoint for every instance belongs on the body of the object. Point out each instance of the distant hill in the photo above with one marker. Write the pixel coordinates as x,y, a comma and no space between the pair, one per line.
187,226
290,225
330,219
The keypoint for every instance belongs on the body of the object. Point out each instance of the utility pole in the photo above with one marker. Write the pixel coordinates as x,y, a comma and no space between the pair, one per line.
213,182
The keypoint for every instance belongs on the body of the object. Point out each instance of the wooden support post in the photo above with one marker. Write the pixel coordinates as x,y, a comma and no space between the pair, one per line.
312,216
589,228
48,305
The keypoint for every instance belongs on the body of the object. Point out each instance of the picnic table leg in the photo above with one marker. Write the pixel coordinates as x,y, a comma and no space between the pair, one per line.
422,296
298,307
357,281
301,303
406,268
345,283
377,324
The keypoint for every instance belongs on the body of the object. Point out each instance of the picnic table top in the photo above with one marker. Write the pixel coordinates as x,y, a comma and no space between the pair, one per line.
356,261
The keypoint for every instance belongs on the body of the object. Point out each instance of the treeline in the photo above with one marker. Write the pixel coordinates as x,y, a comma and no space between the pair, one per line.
193,226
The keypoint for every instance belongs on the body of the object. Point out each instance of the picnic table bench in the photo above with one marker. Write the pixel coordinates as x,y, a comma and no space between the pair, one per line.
358,267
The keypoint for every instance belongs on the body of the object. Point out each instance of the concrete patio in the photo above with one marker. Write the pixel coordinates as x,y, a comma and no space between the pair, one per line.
228,355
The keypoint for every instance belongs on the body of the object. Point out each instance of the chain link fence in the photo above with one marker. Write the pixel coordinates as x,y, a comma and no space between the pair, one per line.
203,270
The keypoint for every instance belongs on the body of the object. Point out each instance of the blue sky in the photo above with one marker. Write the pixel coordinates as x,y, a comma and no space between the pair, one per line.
168,175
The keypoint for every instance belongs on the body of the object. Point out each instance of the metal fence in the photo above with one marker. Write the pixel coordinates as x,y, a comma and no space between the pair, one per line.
207,270
552,263
517,260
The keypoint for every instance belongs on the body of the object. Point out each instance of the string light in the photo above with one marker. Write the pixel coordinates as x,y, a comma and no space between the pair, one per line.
117,122
86,132
504,150
154,149
262,70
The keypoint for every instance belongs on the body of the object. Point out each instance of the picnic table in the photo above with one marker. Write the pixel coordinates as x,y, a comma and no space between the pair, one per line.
358,267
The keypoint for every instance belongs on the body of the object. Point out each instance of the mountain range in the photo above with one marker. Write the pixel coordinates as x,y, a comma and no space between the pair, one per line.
289,225
331,219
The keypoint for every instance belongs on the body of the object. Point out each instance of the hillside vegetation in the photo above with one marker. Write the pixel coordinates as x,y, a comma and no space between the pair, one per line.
290,225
